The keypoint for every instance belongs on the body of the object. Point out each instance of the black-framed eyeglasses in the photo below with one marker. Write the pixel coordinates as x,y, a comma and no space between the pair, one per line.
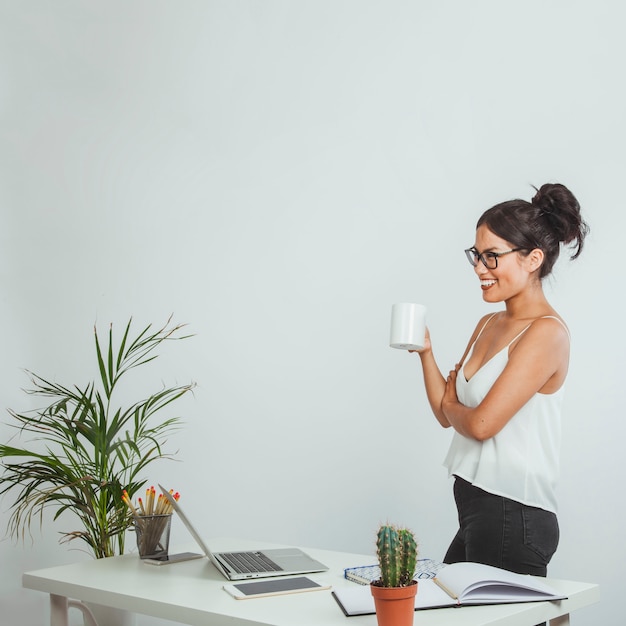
488,259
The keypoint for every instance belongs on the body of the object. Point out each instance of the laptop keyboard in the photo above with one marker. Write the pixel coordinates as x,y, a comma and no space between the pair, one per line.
245,562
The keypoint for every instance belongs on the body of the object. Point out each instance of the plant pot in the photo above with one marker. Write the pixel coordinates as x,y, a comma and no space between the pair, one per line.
395,606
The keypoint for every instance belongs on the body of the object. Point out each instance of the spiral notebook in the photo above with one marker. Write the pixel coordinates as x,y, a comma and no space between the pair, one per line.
364,575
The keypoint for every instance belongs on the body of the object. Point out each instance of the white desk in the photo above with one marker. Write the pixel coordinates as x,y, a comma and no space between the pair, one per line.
191,592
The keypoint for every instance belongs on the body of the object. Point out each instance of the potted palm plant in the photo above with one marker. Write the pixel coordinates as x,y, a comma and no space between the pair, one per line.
394,593
81,451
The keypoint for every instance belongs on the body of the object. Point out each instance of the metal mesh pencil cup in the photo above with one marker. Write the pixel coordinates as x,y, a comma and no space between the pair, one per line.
153,535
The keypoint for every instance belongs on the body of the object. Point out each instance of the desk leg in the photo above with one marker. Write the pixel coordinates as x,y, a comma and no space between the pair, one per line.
562,620
58,610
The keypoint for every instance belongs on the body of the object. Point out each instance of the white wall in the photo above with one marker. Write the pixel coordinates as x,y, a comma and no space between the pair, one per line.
277,174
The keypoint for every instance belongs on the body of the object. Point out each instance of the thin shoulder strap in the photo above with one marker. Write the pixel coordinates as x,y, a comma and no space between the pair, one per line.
484,325
560,321
471,343
543,317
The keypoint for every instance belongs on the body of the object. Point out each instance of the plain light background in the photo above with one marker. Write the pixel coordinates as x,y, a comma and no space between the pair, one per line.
277,174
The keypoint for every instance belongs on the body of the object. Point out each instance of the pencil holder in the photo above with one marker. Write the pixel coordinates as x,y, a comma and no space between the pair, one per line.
153,535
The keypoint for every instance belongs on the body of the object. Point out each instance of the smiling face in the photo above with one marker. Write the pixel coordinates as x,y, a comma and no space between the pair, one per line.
514,273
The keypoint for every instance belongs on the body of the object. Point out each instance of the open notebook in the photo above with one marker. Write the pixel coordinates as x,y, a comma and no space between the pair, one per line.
459,584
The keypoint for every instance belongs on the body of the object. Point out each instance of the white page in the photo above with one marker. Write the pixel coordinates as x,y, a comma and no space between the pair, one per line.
498,594
465,580
358,600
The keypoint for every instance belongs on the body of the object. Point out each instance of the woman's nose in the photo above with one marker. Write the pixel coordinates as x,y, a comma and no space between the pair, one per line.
480,268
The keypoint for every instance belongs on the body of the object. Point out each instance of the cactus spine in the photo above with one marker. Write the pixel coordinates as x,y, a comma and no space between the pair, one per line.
397,556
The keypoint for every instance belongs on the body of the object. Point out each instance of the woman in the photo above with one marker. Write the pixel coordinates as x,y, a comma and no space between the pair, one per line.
504,398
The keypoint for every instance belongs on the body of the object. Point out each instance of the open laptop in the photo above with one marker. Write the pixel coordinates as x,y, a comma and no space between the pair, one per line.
252,563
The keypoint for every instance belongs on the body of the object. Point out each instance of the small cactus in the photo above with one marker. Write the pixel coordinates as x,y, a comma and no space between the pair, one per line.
397,556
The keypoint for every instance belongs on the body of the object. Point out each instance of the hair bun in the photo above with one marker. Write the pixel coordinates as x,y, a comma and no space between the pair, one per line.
562,211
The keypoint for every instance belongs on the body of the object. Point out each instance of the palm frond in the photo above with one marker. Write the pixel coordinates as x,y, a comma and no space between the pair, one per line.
84,451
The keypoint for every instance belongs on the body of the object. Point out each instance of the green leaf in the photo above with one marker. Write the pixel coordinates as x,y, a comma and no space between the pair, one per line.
80,451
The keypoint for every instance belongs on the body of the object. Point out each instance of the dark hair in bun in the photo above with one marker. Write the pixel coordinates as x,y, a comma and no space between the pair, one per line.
550,219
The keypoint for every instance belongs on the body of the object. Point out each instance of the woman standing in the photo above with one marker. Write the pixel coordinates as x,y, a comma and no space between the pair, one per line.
504,398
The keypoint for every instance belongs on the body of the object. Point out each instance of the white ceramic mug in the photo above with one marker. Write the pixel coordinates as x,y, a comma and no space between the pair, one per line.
408,326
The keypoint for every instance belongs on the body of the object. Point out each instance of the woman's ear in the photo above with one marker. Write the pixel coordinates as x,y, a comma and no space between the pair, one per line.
535,259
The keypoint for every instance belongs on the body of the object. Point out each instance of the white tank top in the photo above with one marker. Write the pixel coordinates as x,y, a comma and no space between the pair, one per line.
521,462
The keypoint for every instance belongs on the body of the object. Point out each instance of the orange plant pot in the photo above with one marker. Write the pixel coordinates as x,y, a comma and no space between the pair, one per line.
395,606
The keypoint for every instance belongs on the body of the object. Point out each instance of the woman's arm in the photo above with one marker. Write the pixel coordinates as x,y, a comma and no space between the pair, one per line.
538,362
434,382
436,385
